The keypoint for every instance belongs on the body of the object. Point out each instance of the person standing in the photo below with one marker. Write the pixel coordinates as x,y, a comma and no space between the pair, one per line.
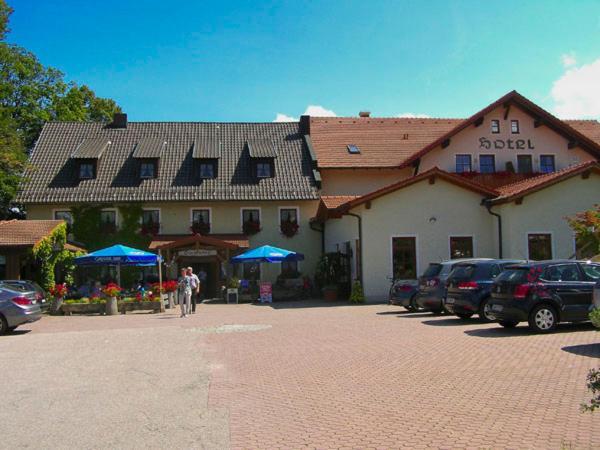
195,282
185,292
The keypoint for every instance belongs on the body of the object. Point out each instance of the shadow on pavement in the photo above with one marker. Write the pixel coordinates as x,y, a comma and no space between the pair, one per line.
17,332
500,332
419,315
589,350
455,322
385,313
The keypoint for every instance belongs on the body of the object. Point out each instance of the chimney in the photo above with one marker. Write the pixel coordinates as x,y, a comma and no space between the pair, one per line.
119,120
364,114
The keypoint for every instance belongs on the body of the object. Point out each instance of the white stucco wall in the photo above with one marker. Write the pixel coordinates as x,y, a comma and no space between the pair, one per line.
545,212
360,181
545,141
407,212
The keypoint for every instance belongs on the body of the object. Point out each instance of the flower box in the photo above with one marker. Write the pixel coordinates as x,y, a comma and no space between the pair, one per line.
124,307
200,228
289,228
150,229
83,308
251,227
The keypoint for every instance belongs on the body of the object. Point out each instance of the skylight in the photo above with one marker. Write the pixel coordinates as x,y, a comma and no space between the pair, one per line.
353,149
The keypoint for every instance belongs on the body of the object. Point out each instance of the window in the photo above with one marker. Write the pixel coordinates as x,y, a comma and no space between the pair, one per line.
524,164
288,215
487,163
2,267
562,272
353,149
404,258
251,271
289,269
150,216
87,170
592,270
64,215
495,126
463,163
514,126
108,221
250,221
147,169
547,163
207,170
461,247
539,246
263,170
201,216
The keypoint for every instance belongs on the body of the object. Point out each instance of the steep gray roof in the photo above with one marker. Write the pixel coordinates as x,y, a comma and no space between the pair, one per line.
53,174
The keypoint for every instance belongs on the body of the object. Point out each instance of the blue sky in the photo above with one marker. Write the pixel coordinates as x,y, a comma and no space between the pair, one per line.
248,61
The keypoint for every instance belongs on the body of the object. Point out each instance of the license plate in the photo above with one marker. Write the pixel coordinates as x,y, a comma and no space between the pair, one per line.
450,300
497,307
43,301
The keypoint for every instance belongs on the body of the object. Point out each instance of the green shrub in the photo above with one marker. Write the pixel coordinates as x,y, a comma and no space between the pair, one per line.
357,295
595,317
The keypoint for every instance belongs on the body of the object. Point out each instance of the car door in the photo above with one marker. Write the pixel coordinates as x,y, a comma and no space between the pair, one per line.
568,284
591,276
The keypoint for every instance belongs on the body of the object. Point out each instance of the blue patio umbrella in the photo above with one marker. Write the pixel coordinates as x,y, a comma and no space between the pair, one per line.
119,255
268,254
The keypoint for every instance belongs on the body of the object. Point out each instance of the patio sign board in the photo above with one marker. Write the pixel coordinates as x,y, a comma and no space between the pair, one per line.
266,292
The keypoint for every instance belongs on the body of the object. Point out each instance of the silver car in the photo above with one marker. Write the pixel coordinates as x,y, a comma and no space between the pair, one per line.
17,308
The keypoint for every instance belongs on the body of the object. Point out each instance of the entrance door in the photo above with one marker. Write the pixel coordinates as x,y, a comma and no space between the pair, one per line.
208,286
404,258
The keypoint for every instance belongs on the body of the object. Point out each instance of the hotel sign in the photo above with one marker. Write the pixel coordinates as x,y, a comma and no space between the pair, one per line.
197,252
509,144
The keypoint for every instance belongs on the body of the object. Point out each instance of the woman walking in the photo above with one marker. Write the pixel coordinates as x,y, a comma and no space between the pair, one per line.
185,289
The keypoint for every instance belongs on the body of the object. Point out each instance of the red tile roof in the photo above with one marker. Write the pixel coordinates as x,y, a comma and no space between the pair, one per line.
25,233
333,201
165,241
398,142
530,185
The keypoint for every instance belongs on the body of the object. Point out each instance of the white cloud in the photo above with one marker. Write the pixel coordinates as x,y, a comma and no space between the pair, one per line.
576,93
311,110
318,111
410,115
284,118
568,59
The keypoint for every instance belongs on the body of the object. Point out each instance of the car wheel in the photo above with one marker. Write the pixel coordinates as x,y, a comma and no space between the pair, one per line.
414,305
485,311
3,325
508,323
543,319
464,316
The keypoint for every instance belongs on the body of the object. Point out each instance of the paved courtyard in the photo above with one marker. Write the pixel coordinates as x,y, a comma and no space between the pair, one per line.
294,375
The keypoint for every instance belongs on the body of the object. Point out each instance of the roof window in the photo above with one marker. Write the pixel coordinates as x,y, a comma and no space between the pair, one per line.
353,149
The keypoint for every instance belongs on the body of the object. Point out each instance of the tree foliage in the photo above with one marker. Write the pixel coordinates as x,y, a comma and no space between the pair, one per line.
30,95
586,226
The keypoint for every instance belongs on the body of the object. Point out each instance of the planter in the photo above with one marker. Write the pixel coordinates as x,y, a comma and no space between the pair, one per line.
171,297
330,293
111,306
56,306
139,306
83,308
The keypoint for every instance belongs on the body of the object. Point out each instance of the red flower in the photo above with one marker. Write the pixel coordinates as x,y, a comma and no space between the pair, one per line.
289,227
112,289
58,290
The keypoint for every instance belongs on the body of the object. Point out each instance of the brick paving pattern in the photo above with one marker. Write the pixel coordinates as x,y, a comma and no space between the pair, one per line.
374,376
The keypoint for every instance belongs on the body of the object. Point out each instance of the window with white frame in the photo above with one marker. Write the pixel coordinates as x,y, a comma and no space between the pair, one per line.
108,220
463,163
495,126
514,126
524,164
487,163
201,220
547,164
539,246
461,247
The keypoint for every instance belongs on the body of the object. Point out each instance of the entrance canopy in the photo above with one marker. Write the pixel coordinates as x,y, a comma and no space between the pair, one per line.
269,254
118,255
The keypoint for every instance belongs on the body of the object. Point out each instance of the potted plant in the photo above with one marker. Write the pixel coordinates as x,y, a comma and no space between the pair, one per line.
170,287
150,228
111,290
289,227
357,295
200,227
330,273
251,227
58,292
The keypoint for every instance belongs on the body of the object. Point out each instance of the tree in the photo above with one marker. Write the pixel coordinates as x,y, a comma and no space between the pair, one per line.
586,226
30,95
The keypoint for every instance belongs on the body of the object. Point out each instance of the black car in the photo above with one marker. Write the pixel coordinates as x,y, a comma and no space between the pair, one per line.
469,286
544,293
403,292
432,284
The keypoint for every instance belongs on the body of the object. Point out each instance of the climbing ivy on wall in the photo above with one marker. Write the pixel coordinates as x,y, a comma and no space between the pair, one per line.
87,227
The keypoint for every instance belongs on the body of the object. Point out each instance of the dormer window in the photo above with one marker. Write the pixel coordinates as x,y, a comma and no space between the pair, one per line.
147,169
148,152
264,169
206,152
208,169
87,170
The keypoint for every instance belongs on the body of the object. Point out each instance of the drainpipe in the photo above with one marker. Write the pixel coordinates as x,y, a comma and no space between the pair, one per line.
320,230
488,206
358,250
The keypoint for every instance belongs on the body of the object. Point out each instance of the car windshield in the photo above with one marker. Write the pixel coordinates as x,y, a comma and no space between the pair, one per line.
592,270
433,270
514,275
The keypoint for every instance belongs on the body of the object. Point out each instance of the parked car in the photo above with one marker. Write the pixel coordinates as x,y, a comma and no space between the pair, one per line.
432,284
403,292
16,309
544,293
469,287
27,286
596,298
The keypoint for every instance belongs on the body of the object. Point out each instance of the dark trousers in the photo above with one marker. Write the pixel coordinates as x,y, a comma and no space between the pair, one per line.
194,299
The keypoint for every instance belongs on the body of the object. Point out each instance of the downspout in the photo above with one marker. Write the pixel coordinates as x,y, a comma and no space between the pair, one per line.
488,205
358,250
